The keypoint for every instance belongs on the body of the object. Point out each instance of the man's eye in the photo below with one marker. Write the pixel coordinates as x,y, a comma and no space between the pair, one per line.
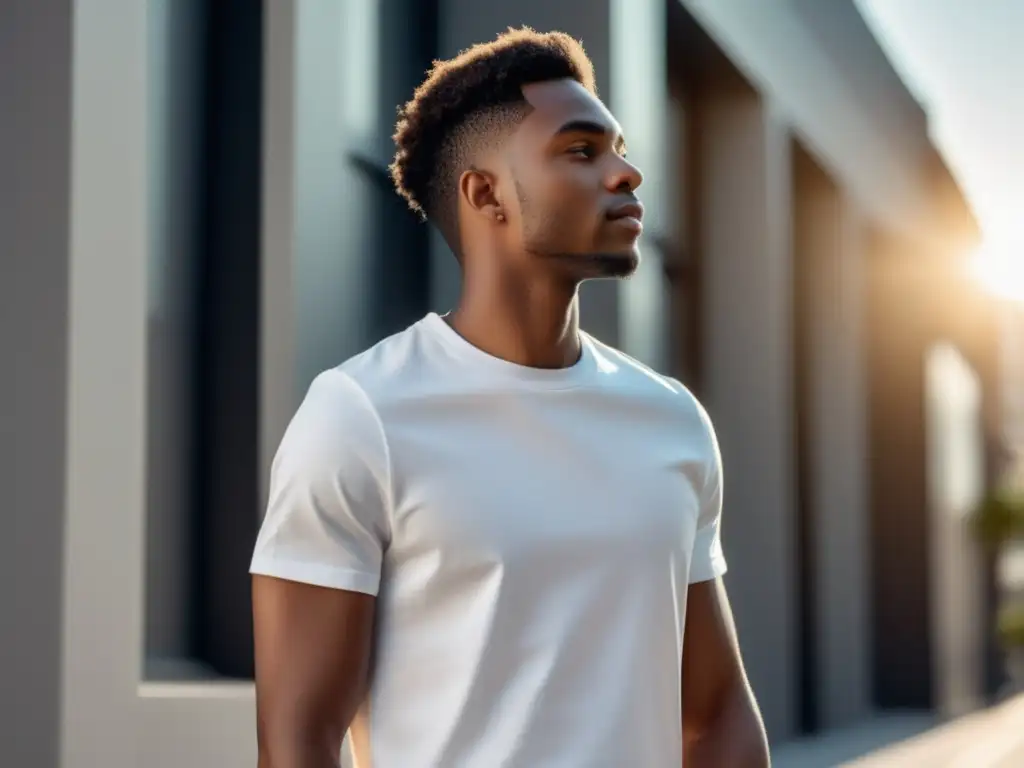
583,150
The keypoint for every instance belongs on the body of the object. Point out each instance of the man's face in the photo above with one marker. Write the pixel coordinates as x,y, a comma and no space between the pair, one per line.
577,208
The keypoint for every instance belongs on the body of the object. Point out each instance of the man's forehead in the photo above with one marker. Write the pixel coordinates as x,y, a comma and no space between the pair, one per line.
558,102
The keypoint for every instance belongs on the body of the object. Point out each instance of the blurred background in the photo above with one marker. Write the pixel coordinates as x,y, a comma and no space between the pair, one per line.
196,218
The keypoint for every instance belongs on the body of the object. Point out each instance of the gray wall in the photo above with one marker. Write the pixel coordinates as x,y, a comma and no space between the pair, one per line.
828,256
35,90
104,576
785,51
897,328
745,241
344,262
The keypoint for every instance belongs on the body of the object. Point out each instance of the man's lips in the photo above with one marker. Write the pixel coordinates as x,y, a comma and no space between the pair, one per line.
629,216
633,210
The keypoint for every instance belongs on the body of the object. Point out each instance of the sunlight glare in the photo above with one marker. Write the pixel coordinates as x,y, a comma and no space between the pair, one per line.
999,268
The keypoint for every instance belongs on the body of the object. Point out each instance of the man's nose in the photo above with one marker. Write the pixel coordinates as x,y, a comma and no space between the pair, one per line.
626,177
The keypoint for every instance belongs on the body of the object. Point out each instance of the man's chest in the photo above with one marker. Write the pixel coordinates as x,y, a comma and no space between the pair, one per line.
525,490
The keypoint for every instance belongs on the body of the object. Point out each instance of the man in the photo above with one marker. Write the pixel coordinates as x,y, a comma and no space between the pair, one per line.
487,533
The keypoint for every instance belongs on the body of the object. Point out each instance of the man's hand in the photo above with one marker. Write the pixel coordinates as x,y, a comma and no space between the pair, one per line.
722,726
312,656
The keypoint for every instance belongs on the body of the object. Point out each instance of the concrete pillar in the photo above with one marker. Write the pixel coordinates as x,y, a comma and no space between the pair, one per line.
333,109
955,474
899,333
745,245
1011,377
829,254
278,398
105,445
344,261
626,42
35,101
639,96
315,263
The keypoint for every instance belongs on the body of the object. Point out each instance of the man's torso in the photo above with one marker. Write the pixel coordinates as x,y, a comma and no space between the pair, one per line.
533,589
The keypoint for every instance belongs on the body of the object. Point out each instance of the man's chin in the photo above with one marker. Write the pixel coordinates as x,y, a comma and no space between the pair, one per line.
600,264
613,265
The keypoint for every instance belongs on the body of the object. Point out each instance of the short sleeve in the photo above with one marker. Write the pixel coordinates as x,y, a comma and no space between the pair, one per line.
708,560
328,512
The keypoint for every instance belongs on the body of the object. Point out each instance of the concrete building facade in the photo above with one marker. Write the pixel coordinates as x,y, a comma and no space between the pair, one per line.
197,219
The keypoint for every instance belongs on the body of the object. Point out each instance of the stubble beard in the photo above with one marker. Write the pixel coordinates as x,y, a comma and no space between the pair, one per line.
540,241
592,266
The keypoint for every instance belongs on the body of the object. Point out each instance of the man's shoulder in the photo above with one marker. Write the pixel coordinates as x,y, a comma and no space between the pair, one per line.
630,373
391,360
392,366
634,378
342,405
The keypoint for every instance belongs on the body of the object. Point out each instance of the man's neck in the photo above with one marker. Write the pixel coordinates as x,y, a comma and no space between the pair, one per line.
536,326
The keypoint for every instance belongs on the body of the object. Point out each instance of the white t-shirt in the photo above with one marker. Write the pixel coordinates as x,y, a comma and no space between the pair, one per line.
529,534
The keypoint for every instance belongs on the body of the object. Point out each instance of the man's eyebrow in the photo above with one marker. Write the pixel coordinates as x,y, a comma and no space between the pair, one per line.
591,127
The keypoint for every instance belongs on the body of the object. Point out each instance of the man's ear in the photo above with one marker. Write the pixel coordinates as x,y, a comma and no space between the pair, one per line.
479,189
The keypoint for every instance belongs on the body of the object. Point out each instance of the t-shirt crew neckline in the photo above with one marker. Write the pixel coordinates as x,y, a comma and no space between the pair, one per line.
574,375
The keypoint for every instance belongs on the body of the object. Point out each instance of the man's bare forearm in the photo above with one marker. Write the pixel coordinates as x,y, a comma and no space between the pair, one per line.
298,754
735,738
299,759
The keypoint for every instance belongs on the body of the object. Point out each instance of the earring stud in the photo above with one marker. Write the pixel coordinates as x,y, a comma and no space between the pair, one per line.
501,217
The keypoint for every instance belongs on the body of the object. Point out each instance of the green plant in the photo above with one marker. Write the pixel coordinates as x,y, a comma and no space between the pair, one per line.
999,517
1011,626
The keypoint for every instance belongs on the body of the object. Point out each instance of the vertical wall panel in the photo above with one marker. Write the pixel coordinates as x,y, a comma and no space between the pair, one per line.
35,104
747,375
832,409
104,571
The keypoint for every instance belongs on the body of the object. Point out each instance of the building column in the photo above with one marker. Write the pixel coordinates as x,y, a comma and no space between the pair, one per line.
933,410
832,408
955,476
344,261
35,101
105,449
898,337
744,191
639,96
625,39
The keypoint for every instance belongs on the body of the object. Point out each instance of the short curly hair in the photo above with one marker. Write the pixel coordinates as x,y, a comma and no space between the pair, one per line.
469,99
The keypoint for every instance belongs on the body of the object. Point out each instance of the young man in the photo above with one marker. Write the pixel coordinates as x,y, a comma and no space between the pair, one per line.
487,534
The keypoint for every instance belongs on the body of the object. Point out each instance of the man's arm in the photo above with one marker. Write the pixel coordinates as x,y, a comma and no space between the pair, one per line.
312,654
722,726
316,570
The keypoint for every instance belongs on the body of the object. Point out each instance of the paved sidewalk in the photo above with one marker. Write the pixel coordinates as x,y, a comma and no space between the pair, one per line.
990,738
